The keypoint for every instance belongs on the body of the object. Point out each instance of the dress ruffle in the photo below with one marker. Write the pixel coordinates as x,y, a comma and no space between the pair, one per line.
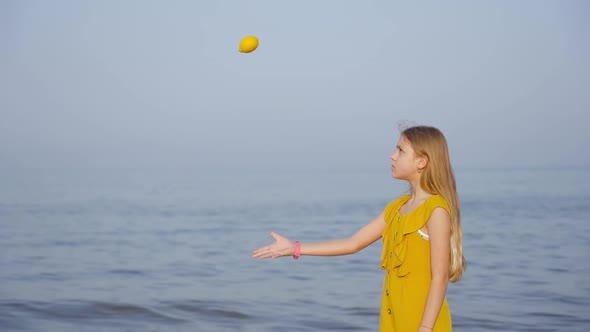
397,228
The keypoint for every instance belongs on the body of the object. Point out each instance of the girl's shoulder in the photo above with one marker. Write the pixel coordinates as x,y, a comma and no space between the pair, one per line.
394,206
399,201
425,208
436,201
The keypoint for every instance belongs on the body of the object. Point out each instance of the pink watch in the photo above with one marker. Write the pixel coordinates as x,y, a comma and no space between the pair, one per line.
297,252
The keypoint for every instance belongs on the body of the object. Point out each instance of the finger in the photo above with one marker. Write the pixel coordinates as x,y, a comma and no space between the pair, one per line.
262,251
275,235
263,255
266,248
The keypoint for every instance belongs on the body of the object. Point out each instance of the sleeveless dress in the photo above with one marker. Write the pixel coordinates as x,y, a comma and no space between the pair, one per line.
406,261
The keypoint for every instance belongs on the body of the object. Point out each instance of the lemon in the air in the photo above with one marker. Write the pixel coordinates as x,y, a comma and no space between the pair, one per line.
248,44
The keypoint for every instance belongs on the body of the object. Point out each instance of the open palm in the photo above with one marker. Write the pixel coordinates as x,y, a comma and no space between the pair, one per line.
281,247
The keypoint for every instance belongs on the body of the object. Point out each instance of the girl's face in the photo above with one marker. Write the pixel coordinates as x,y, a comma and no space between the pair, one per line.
404,164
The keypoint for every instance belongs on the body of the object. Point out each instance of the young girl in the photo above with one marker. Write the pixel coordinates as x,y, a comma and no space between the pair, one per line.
422,238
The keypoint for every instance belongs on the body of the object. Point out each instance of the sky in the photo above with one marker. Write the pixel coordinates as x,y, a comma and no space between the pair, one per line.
107,84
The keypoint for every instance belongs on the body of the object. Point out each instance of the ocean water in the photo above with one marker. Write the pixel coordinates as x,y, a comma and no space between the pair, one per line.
169,250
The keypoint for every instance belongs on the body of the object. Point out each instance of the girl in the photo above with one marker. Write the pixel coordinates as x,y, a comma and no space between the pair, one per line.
422,238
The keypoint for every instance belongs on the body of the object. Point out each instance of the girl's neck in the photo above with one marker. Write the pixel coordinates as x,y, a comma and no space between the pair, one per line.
418,194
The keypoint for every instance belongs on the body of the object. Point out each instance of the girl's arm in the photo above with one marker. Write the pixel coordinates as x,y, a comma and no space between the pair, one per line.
361,239
439,230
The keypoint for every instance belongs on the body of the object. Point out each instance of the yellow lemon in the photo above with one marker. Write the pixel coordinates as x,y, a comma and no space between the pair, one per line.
248,44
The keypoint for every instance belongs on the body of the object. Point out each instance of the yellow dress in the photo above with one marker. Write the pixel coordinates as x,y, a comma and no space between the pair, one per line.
406,261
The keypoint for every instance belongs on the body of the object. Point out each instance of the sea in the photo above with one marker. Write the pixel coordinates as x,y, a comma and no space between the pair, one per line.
148,249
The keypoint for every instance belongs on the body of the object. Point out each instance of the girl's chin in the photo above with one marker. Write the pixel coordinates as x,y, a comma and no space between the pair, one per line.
396,175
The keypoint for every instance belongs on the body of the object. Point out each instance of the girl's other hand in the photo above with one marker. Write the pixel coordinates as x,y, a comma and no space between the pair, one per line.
281,247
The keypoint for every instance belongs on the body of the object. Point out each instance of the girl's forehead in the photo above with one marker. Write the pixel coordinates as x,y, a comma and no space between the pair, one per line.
403,142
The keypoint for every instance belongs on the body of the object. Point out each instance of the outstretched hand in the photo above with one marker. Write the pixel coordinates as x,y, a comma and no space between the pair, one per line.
281,247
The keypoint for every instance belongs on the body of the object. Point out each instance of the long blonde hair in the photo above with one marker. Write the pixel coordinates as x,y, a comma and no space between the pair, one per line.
438,179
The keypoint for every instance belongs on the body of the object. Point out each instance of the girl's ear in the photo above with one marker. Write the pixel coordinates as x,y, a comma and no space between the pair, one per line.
422,162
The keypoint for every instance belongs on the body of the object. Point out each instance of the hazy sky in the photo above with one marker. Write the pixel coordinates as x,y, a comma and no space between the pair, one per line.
161,83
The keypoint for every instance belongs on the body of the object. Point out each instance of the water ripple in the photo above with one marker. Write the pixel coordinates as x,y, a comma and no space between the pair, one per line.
86,310
211,310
